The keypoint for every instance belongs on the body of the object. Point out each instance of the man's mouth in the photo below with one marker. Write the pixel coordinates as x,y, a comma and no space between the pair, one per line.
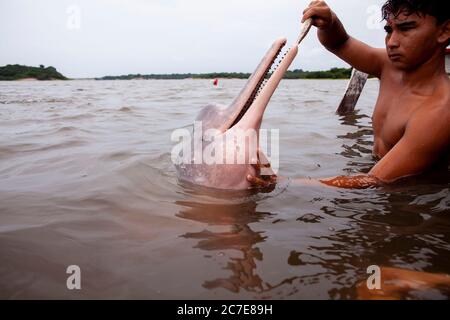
395,56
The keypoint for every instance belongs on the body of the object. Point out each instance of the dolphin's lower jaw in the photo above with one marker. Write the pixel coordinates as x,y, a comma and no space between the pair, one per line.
245,113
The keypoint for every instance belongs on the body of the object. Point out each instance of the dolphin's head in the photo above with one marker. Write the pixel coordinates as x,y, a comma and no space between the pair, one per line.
245,114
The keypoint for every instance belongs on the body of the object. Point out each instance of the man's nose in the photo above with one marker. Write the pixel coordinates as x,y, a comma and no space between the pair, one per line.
393,41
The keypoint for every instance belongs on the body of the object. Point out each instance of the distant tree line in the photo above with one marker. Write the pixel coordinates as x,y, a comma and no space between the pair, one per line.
17,72
334,73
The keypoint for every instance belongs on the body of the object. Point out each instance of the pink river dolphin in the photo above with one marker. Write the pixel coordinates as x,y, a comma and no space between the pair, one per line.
227,125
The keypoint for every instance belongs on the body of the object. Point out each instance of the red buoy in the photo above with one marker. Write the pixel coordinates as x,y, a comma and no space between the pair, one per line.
216,82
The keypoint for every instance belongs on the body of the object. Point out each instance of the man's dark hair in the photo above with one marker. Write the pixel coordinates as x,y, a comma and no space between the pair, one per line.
440,9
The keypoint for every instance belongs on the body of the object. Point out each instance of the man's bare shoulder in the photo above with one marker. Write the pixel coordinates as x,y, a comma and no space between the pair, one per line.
440,102
439,98
435,111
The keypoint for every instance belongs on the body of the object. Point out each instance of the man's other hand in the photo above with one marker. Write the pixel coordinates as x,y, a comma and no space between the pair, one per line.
267,179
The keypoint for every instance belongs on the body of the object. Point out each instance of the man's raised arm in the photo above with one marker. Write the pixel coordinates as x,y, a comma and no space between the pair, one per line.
333,36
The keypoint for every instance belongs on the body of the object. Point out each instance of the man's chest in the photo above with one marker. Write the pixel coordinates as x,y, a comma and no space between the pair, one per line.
390,118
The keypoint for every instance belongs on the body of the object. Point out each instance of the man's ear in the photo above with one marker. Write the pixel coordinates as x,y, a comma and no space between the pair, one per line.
444,34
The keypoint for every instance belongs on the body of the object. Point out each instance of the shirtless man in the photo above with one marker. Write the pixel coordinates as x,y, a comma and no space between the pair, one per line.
411,120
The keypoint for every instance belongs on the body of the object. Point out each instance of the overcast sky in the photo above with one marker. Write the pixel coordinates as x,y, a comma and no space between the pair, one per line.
91,38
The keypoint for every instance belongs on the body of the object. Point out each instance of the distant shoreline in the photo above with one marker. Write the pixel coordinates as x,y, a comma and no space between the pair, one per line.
334,73
94,79
26,73
17,72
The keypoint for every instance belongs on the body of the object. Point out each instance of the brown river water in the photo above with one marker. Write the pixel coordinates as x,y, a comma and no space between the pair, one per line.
86,179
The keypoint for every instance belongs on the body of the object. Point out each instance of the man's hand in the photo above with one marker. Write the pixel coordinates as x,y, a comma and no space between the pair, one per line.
332,35
267,180
321,14
261,181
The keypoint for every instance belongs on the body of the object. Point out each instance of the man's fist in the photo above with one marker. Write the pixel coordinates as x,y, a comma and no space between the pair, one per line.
321,14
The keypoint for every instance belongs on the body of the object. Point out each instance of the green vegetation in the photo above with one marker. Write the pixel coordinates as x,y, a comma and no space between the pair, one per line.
17,72
178,76
334,73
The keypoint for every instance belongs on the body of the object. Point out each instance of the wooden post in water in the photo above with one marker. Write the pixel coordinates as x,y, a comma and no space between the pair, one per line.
354,89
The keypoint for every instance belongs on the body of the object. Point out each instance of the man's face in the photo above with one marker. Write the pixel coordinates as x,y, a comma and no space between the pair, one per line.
411,39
